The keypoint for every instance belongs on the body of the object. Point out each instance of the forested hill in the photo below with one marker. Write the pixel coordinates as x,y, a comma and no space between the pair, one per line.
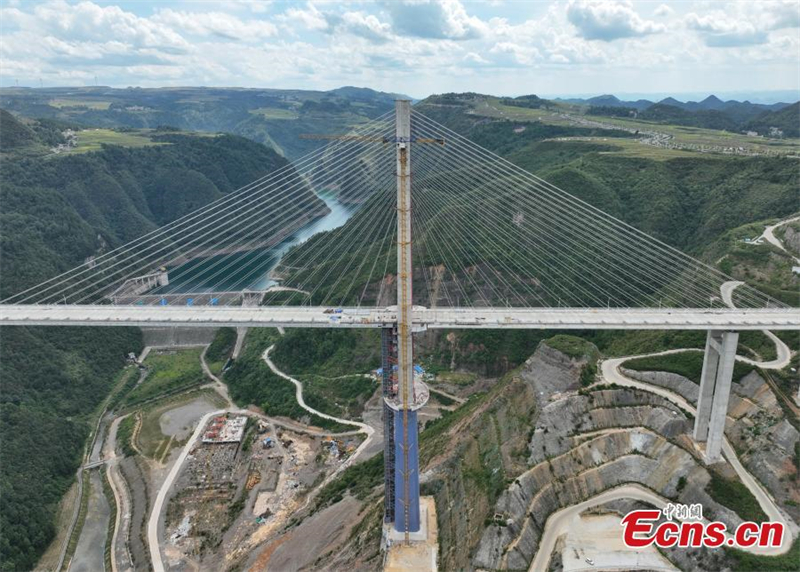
59,210
687,200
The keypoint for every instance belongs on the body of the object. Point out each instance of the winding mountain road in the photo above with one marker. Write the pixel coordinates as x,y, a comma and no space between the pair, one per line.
611,374
769,234
559,521
363,427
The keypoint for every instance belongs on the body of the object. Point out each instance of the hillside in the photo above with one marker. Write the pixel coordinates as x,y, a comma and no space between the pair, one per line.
670,114
56,212
272,116
786,119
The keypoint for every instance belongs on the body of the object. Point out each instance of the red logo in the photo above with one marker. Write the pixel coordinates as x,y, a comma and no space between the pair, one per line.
645,527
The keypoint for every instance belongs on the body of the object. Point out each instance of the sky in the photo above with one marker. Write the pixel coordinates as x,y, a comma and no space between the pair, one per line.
415,47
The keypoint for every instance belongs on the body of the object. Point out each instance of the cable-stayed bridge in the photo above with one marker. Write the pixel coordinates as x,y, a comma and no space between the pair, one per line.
423,318
479,243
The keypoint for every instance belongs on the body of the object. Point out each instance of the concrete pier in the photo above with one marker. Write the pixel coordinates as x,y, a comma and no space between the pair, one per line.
418,555
715,389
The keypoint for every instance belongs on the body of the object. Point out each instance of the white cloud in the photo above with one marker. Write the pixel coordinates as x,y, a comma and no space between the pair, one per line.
216,24
88,21
310,18
413,46
608,20
365,25
434,19
779,15
508,53
720,31
664,10
745,24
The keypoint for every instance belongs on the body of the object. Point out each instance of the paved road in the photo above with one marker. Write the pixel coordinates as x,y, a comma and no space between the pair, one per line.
769,234
784,354
558,522
158,505
611,374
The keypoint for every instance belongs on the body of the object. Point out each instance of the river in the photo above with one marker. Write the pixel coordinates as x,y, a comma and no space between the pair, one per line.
250,270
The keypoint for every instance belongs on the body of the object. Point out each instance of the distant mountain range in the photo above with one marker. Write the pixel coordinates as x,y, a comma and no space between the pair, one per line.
276,117
712,102
711,113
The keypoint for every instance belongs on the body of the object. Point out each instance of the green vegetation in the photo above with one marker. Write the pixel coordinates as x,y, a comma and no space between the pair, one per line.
737,497
610,111
759,343
688,364
251,381
442,399
29,136
220,350
698,199
338,396
358,480
275,113
79,103
785,119
57,212
127,380
327,352
125,434
619,343
707,118
95,139
269,116
456,377
53,381
169,371
572,346
489,352
747,562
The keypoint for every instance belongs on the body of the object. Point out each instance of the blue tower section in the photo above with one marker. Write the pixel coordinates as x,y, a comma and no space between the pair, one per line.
407,438
389,361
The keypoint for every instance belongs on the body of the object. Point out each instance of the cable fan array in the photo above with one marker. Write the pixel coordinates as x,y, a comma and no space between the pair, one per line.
489,233
212,255
486,233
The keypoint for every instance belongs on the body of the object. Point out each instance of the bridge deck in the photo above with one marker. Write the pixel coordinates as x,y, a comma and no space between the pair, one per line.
442,318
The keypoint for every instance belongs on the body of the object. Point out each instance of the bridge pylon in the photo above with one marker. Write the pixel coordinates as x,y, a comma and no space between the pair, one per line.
406,458
715,389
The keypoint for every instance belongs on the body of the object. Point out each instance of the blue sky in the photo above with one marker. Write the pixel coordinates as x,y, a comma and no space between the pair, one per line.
417,47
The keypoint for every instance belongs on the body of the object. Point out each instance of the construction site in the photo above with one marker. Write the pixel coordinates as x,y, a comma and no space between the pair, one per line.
242,477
